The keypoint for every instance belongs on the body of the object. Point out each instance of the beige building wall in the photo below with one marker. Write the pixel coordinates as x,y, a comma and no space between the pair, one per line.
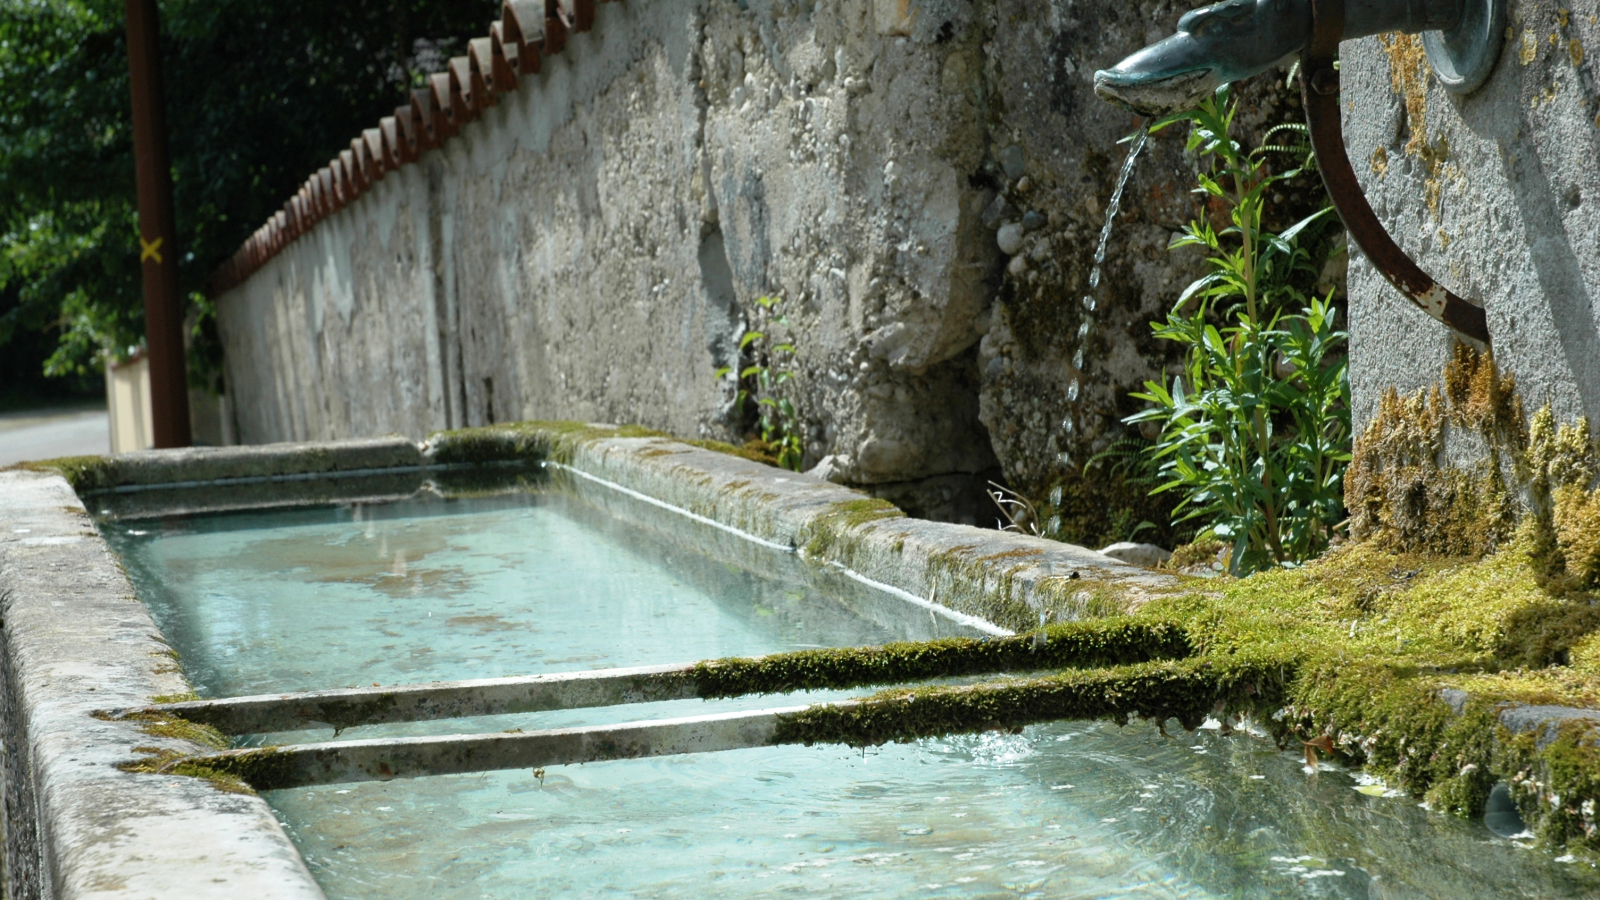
128,401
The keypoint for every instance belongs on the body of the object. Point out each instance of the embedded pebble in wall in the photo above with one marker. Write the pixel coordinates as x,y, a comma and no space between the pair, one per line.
1033,220
1010,238
1012,160
996,212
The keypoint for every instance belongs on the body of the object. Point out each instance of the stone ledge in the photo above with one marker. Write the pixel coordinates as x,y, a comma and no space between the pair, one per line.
265,462
1519,718
77,641
1003,577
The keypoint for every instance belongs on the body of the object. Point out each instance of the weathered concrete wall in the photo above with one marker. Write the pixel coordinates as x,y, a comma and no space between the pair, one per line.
1497,195
592,247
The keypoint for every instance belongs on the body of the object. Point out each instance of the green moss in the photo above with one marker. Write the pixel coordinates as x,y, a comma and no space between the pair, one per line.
185,697
1196,555
1073,645
1188,690
164,761
158,724
1399,492
523,442
755,450
1560,468
526,442
263,768
84,473
157,761
1584,654
831,534
1557,785
1390,717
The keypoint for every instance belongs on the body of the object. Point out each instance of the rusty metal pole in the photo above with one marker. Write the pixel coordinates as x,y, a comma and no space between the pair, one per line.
158,237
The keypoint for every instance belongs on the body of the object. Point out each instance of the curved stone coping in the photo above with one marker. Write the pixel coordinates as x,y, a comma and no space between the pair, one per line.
75,640
194,466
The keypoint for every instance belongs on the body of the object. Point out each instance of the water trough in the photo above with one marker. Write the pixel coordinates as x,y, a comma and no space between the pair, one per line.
98,724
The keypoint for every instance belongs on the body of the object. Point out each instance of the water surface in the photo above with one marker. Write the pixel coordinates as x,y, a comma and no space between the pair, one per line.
553,581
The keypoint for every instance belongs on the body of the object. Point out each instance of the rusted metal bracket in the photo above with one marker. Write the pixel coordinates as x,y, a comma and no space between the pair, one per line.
1319,85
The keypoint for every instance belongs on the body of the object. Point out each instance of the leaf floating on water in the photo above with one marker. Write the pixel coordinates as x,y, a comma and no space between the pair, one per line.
1323,743
1372,790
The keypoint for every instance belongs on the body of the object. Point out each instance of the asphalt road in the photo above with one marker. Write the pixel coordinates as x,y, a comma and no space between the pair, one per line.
49,433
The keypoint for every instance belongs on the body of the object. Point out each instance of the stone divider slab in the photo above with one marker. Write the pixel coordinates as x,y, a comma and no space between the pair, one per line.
380,759
348,707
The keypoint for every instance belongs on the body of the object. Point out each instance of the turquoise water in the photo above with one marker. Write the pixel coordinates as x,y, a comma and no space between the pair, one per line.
432,589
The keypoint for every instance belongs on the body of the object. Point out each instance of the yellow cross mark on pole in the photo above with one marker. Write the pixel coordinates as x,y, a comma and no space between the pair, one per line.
150,249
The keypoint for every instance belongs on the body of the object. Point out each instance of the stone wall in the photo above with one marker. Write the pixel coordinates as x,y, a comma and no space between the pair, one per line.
921,181
1497,195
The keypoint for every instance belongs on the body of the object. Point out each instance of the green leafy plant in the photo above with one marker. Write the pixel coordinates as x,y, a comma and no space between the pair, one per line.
1255,434
776,417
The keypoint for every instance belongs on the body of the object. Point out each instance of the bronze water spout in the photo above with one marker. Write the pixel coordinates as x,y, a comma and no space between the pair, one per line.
1236,39
1233,40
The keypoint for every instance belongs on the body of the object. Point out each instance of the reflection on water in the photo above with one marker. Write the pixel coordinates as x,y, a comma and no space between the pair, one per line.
545,582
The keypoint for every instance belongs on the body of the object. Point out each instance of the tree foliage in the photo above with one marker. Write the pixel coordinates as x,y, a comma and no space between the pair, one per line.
259,93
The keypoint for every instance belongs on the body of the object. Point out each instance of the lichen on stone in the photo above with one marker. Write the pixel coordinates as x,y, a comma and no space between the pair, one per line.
1397,489
1408,68
832,536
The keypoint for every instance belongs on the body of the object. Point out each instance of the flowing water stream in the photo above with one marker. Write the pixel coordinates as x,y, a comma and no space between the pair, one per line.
1090,301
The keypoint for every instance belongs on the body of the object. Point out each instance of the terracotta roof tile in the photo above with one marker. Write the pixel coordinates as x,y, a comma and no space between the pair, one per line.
526,32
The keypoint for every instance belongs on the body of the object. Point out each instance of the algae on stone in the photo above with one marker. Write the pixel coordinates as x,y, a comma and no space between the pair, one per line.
83,473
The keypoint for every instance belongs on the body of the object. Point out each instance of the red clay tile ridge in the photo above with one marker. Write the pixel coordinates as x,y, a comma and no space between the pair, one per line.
527,32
